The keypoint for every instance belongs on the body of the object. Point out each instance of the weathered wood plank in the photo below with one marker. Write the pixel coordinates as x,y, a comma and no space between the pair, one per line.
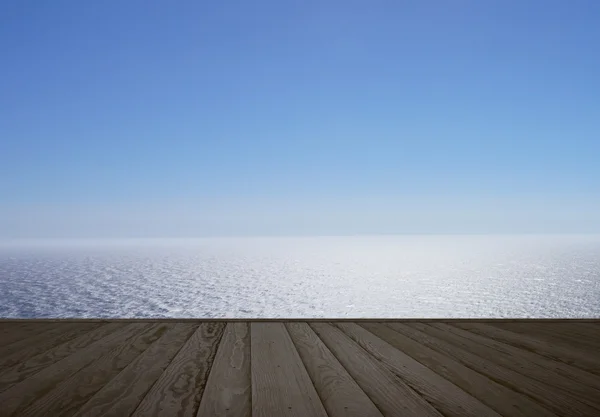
228,392
33,338
29,348
339,393
280,384
553,333
448,398
25,392
7,327
592,328
498,397
583,385
178,391
569,355
392,396
12,332
554,399
71,394
588,332
123,393
538,368
21,371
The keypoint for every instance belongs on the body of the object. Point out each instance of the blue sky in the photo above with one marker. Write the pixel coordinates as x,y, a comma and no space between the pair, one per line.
191,118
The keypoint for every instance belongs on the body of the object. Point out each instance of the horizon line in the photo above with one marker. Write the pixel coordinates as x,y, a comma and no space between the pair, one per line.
5,238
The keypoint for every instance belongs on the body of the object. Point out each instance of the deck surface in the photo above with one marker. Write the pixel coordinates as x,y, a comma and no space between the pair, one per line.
300,368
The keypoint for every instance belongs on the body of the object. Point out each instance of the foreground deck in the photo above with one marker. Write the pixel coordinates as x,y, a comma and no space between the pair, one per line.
298,368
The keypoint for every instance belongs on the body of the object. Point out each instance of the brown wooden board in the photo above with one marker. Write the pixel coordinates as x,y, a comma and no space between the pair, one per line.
122,394
29,390
448,398
339,392
228,392
569,355
505,401
71,394
178,391
552,398
392,396
23,370
280,384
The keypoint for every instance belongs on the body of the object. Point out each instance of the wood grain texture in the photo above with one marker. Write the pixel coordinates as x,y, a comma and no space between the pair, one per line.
392,396
122,394
339,393
498,397
569,355
591,328
552,333
11,332
178,391
23,370
583,385
25,392
371,368
280,384
448,398
71,394
554,399
43,342
587,332
228,392
34,338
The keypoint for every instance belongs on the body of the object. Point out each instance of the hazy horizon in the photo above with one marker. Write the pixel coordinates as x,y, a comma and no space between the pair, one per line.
115,239
491,215
349,276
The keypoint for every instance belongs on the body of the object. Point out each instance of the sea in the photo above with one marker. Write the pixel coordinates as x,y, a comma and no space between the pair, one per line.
405,276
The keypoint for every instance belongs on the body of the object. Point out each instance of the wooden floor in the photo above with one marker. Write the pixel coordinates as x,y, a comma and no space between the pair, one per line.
298,368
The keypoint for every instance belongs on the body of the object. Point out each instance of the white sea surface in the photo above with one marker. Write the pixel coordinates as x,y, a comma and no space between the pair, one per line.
308,277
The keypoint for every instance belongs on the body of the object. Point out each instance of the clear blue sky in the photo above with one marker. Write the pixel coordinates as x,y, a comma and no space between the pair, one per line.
191,118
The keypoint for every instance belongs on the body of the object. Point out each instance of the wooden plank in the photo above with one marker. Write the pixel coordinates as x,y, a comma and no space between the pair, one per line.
122,394
590,332
448,398
391,395
340,394
593,327
280,384
71,394
178,391
583,385
45,341
14,332
25,392
228,392
552,334
45,332
554,399
498,397
21,371
569,355
7,327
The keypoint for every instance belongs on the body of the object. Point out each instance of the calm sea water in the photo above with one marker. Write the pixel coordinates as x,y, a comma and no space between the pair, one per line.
396,276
